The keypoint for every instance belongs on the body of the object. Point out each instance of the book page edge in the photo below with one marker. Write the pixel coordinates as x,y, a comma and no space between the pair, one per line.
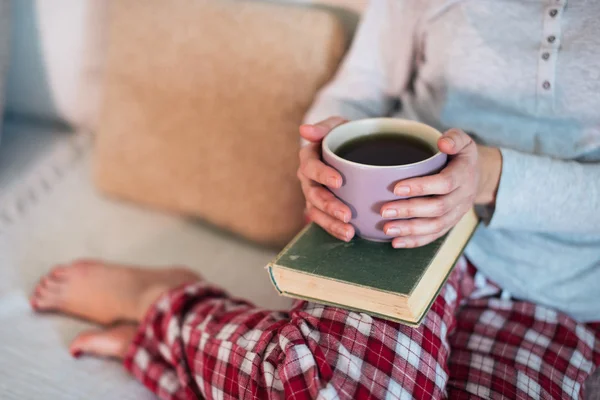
272,266
412,324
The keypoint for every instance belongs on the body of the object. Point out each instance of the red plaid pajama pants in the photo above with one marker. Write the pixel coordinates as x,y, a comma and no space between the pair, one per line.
196,342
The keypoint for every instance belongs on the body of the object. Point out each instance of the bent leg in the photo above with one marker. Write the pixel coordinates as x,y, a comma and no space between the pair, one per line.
221,347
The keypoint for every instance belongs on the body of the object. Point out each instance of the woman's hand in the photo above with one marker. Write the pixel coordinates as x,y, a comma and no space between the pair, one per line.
322,206
437,202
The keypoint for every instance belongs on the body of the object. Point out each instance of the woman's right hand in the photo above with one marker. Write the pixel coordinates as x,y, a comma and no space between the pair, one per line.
322,206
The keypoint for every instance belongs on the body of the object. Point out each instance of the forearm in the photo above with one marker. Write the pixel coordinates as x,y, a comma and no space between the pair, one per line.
540,194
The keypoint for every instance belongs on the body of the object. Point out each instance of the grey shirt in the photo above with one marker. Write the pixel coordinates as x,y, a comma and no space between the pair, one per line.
521,75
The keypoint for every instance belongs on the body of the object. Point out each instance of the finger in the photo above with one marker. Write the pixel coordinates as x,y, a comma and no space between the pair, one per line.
325,201
316,132
455,141
310,151
457,173
315,170
422,226
424,207
416,241
335,228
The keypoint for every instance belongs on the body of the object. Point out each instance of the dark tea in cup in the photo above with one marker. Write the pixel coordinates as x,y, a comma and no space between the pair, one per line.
385,149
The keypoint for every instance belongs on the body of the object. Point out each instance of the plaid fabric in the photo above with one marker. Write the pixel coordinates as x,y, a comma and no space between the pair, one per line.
198,342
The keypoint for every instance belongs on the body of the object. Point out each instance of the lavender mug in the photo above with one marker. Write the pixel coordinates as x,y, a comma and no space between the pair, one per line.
366,188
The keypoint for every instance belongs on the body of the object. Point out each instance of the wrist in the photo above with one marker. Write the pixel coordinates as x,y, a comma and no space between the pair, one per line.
490,170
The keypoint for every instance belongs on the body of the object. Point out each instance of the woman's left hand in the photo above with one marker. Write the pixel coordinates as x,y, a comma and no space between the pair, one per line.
471,176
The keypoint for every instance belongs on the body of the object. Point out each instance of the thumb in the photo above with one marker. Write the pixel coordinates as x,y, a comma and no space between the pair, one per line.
316,132
455,141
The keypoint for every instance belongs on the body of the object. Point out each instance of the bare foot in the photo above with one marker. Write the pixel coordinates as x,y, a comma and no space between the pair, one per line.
110,342
103,292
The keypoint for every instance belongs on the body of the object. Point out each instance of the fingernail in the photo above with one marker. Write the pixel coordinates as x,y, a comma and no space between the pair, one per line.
389,213
393,231
400,244
346,235
402,190
449,140
343,233
340,215
77,353
333,182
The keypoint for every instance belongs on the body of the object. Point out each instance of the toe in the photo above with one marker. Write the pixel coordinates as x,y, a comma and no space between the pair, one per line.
35,296
111,342
58,272
46,293
45,299
52,283
33,300
43,283
48,283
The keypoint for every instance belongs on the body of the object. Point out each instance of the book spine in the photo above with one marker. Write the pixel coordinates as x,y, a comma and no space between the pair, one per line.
273,281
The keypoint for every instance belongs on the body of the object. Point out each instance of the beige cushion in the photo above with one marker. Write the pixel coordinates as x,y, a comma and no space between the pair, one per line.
202,105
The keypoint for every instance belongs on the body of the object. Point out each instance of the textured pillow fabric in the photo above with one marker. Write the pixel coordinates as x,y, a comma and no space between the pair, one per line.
5,19
202,105
57,58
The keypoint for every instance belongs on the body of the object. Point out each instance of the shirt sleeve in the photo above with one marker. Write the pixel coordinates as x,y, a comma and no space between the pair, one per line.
377,67
543,194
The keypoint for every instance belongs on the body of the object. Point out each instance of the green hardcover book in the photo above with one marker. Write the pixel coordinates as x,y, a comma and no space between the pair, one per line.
374,278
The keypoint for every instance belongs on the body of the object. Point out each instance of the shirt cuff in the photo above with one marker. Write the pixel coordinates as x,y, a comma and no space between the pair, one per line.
513,200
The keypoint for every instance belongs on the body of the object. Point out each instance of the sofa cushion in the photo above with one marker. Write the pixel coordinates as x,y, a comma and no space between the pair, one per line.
57,57
5,18
202,105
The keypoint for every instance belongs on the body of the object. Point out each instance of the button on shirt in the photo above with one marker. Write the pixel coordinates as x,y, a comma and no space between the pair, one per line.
523,76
